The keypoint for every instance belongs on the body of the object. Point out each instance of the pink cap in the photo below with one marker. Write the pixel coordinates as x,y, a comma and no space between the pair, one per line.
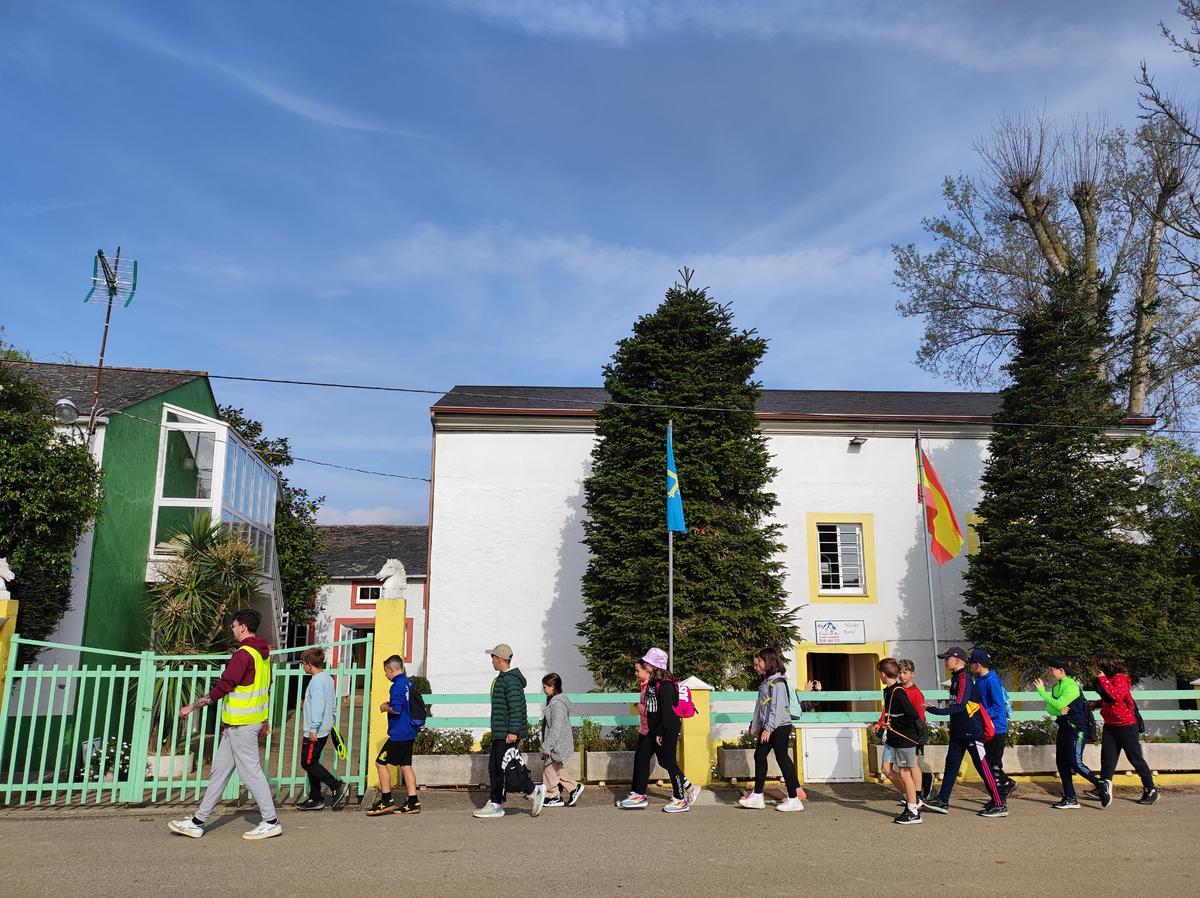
656,658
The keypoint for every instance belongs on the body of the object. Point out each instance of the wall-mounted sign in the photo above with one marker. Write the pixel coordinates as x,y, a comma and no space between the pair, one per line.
841,632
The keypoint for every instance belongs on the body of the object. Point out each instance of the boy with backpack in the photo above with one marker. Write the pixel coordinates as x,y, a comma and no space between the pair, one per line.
1076,727
900,729
397,751
319,699
969,726
510,724
995,701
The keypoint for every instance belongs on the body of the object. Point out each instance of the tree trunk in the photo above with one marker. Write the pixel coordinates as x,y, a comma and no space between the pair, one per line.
1143,315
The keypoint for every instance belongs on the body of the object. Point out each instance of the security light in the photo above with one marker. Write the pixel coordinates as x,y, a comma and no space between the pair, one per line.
857,441
65,411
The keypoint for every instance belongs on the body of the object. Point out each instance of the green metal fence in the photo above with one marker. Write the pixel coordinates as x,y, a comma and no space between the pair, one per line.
109,730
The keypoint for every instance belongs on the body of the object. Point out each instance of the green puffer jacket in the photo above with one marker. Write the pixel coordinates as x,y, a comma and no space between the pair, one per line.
509,714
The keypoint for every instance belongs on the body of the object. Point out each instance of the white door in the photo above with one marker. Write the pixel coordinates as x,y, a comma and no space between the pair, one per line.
833,754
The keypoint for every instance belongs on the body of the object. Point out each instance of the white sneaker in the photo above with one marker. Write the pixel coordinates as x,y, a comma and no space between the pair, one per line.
186,828
538,797
791,804
753,800
264,830
491,809
692,793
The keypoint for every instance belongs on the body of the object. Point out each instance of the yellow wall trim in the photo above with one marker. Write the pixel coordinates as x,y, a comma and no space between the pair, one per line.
870,594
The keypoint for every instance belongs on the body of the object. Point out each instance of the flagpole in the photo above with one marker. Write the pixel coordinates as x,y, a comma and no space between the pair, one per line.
925,533
670,589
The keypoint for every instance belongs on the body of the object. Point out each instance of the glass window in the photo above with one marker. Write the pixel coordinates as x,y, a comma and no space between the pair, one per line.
169,523
188,468
841,557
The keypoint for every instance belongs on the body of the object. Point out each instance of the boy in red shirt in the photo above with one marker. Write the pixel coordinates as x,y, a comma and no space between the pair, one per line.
908,671
1122,727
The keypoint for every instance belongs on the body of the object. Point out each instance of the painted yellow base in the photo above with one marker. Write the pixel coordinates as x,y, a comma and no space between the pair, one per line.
8,612
698,752
390,624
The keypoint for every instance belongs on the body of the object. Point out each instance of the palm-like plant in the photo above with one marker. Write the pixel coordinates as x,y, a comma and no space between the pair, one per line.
213,572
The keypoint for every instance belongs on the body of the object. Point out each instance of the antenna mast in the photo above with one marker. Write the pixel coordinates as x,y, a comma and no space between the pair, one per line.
108,277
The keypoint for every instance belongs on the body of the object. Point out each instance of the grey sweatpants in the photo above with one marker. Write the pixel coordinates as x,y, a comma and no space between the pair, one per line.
238,750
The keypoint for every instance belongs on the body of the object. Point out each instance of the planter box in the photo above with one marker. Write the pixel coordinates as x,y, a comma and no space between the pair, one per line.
463,770
1031,759
738,763
616,767
167,767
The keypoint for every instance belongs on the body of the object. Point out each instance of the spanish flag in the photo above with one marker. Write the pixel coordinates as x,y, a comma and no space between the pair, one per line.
945,537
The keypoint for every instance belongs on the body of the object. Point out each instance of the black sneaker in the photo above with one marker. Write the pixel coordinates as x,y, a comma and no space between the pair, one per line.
1106,793
554,803
1008,789
411,806
381,808
1149,796
1067,804
574,796
936,805
341,794
994,810
907,817
310,804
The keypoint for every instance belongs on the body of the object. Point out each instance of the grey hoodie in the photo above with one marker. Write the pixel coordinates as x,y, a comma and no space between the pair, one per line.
557,740
774,706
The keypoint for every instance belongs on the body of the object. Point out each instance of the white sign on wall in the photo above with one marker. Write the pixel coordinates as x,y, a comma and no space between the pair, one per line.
841,632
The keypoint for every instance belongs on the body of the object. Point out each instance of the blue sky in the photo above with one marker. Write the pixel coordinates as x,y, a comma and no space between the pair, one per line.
490,191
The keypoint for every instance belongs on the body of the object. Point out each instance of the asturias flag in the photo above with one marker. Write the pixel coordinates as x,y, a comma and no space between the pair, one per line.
674,498
945,537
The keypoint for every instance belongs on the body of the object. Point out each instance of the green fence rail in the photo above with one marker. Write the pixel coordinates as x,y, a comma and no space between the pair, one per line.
111,731
871,697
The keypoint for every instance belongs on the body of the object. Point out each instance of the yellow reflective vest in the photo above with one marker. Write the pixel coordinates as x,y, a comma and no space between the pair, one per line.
248,704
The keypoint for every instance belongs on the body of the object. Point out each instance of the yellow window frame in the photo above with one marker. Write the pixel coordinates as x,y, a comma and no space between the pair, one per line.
870,593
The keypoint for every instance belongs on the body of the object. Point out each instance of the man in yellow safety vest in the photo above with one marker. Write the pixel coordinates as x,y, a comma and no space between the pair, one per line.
245,686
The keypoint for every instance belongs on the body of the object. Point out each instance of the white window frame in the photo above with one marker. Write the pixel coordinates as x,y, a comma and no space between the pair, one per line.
196,423
861,589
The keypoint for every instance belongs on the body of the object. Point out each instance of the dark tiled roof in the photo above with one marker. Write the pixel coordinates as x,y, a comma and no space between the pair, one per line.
839,403
360,550
119,387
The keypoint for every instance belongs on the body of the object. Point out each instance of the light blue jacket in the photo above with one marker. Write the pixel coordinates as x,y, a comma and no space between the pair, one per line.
318,704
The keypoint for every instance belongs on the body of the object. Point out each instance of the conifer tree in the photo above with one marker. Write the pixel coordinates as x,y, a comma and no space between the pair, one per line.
1064,565
729,595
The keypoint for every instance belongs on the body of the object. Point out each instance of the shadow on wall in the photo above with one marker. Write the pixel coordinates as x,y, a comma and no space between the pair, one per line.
560,650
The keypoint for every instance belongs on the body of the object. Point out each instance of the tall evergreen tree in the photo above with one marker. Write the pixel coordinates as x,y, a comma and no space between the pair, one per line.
729,595
1064,566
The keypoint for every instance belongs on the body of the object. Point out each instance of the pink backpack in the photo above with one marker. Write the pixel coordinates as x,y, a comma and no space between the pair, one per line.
684,707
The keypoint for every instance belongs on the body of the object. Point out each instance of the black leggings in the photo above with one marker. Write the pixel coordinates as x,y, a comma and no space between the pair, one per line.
1116,739
1068,753
779,744
310,763
643,755
666,757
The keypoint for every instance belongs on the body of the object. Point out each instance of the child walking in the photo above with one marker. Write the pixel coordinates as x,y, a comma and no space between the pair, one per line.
901,737
318,722
558,745
1122,727
772,726
663,727
908,673
1070,710
398,749
643,752
510,724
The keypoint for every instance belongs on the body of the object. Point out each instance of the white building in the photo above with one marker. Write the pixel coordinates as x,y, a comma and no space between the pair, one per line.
506,555
353,558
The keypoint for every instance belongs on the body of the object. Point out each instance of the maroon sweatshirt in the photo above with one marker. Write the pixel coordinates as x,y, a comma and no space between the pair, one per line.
239,670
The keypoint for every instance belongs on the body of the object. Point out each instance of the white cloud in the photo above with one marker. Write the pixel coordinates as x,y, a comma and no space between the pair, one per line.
380,514
276,94
966,36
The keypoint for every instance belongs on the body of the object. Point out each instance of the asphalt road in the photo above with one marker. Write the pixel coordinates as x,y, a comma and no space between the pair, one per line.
843,844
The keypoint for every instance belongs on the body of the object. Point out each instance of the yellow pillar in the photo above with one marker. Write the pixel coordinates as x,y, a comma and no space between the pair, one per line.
8,629
698,753
390,628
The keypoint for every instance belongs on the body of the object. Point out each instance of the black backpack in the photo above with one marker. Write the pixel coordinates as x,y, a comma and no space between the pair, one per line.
418,711
1089,719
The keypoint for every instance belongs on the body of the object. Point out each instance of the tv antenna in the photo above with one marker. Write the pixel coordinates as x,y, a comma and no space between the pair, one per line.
114,284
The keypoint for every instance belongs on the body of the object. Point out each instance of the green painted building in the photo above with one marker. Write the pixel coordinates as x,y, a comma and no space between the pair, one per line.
165,456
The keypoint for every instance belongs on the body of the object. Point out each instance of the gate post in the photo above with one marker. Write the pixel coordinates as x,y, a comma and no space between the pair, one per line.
139,743
696,743
8,630
391,625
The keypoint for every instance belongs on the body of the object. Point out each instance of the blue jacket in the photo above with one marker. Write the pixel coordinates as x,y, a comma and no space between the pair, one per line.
400,725
993,696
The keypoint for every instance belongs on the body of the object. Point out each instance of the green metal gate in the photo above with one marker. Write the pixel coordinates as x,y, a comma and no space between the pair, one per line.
109,730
